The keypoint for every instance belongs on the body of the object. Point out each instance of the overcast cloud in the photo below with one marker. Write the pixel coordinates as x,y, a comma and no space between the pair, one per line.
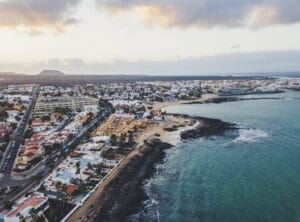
37,13
210,13
256,62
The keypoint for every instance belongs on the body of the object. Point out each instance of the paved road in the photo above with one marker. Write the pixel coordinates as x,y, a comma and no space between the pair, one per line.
12,149
24,181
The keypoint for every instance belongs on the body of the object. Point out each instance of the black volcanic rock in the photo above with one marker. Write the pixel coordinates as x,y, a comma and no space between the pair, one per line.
208,128
125,194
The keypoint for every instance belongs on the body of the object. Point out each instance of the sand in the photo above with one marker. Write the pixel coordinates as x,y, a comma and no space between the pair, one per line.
155,129
161,105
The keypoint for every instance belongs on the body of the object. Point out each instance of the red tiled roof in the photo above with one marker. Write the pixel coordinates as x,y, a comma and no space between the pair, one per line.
74,154
71,189
32,201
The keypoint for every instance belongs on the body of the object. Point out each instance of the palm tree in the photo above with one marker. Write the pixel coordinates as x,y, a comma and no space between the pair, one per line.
99,169
78,167
130,139
113,140
89,166
33,214
58,185
21,217
8,204
122,142
64,187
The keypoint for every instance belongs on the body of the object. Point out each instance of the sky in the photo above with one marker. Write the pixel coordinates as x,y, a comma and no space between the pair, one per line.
155,37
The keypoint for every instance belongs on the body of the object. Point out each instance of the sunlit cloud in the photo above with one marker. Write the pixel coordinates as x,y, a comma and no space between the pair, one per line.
33,15
210,13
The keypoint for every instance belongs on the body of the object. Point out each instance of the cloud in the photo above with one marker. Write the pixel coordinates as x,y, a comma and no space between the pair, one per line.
255,62
34,14
210,13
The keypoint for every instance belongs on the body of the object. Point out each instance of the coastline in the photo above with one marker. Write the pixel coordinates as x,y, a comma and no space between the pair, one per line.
204,98
122,193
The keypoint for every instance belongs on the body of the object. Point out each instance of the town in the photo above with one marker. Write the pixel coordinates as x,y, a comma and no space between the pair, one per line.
58,144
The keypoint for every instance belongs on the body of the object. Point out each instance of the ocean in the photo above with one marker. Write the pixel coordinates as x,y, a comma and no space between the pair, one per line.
252,175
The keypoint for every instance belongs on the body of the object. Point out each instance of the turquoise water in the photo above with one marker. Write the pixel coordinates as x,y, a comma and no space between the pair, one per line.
254,177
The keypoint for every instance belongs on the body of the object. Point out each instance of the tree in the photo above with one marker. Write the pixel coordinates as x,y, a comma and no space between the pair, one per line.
8,204
33,214
113,140
6,138
78,167
46,118
56,146
122,142
47,150
89,166
21,218
58,185
3,116
99,169
82,188
130,139
13,126
38,177
107,154
64,187
51,164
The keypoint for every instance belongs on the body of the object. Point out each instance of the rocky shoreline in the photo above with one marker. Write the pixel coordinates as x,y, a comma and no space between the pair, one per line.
124,196
218,100
208,127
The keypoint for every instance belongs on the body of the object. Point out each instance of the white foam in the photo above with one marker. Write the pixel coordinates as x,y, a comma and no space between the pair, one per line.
251,135
174,138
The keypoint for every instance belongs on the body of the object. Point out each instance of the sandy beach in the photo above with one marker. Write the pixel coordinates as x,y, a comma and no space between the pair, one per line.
157,130
204,98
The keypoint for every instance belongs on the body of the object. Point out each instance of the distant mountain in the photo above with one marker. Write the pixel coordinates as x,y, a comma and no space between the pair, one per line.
51,73
7,73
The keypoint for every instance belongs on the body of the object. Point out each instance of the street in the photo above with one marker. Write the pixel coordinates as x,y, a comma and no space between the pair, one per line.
12,149
23,182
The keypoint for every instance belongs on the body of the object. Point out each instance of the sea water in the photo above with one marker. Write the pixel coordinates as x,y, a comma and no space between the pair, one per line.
252,175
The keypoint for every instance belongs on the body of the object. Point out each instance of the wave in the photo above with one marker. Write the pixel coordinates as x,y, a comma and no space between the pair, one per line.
150,210
251,135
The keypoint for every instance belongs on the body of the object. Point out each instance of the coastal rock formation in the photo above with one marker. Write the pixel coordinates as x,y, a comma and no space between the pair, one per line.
224,99
124,195
208,127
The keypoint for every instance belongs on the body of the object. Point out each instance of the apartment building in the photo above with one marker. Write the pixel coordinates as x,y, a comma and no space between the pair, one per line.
46,105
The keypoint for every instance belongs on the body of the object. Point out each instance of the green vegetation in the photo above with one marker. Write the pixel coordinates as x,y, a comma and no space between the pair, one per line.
99,169
82,188
8,204
38,177
21,217
34,215
113,140
108,154
3,116
130,139
122,142
78,167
